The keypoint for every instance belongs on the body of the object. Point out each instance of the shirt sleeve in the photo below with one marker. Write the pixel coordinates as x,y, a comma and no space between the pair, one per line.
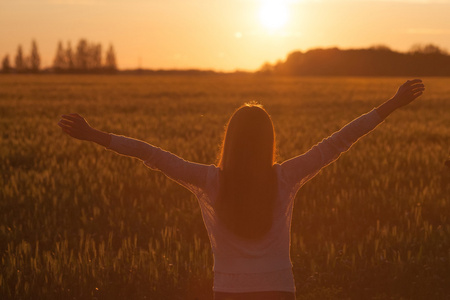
298,170
191,175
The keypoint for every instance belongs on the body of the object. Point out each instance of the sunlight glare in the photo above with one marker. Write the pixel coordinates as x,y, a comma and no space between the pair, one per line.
273,14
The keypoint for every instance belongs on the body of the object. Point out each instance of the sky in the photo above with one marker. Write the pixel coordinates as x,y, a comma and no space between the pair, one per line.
220,35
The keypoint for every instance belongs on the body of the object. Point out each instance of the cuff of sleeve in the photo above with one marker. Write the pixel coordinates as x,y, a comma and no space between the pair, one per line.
117,143
377,116
374,117
112,142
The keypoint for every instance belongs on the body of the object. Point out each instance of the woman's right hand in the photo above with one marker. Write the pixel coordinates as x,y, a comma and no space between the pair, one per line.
77,127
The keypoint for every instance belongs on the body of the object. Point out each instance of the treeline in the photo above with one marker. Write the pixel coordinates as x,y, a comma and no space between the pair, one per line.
85,58
420,60
22,63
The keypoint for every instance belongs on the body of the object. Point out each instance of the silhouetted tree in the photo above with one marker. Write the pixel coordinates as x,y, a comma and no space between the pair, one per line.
110,63
35,59
19,60
427,49
95,57
59,63
82,56
69,57
6,66
266,68
380,47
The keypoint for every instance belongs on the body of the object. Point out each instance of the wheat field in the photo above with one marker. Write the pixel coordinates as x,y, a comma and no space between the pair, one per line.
80,222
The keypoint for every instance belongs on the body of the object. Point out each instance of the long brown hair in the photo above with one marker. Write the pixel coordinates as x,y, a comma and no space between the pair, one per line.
247,180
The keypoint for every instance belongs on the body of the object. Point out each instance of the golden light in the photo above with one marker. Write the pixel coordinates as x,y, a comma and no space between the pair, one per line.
273,14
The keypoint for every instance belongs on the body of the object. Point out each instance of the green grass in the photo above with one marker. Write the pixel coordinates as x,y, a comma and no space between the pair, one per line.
79,222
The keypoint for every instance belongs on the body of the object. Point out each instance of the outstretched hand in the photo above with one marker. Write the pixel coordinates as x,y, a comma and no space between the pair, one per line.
408,92
76,126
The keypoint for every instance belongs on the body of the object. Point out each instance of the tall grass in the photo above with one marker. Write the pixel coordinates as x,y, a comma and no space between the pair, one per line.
79,222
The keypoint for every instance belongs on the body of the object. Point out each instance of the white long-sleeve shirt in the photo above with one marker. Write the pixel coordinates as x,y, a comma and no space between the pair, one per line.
242,265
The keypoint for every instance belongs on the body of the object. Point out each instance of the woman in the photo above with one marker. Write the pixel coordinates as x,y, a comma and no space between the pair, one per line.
247,199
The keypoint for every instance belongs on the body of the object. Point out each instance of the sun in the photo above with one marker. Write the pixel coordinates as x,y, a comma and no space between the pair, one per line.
273,14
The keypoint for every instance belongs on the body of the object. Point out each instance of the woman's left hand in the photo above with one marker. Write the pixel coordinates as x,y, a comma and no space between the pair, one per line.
408,92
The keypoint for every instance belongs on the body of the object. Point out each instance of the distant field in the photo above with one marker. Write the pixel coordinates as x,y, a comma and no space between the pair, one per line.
79,222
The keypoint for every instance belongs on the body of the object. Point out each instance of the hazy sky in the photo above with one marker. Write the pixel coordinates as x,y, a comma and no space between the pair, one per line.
219,34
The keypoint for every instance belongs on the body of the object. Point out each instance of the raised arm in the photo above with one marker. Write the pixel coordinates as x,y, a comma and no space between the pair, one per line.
300,169
190,175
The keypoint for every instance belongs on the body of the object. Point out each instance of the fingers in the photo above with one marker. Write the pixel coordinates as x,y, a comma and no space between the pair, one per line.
75,126
418,89
414,86
69,129
417,94
413,81
72,117
408,92
68,123
418,85
65,123
65,126
66,130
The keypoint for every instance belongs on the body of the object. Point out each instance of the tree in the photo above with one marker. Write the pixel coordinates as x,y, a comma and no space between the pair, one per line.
110,64
6,66
35,59
69,57
94,57
87,57
20,62
427,49
59,63
82,56
380,47
97,56
266,68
